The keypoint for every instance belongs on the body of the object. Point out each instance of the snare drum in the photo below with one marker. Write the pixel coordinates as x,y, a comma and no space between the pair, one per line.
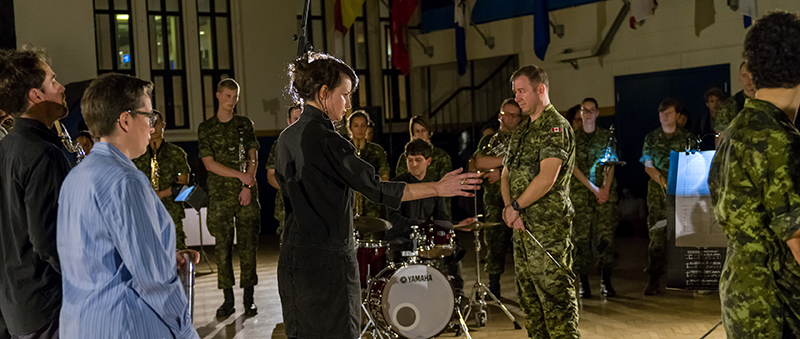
371,256
413,301
439,242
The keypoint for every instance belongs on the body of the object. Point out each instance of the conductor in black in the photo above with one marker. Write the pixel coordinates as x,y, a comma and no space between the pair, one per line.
318,170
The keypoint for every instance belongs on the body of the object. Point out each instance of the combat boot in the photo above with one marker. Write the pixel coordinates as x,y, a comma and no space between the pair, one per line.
250,308
586,291
494,284
652,285
227,307
605,284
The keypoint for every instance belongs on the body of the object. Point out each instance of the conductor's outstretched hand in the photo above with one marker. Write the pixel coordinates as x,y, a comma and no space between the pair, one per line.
456,183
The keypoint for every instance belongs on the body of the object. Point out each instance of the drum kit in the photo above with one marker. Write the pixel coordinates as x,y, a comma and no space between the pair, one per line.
414,299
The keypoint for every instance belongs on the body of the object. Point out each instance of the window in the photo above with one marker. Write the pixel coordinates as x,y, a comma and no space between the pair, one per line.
114,36
216,49
167,65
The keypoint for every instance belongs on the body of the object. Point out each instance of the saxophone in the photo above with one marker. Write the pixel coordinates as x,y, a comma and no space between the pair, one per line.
70,145
154,171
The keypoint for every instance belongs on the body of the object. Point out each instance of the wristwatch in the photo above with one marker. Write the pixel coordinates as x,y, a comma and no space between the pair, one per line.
247,186
515,206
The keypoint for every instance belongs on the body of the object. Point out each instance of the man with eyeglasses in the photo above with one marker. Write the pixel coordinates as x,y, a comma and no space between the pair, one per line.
165,164
489,160
116,238
32,168
593,192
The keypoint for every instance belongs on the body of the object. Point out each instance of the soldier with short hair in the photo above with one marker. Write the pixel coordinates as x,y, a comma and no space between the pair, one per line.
593,192
167,168
754,182
655,156
731,106
228,147
535,188
489,159
292,114
420,127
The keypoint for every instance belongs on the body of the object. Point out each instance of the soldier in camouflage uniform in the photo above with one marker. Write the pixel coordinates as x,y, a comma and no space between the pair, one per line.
228,147
535,188
593,192
357,125
419,127
655,156
731,106
173,171
489,160
291,116
754,182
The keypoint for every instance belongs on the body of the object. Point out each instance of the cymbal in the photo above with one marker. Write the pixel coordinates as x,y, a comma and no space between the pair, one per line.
367,225
476,226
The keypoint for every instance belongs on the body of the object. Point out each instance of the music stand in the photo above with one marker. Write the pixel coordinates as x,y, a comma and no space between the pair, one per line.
196,198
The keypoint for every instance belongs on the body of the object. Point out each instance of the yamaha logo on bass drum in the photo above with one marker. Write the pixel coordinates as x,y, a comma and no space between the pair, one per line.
416,278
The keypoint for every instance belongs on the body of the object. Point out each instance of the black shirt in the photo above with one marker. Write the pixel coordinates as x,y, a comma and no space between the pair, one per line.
318,280
32,167
414,212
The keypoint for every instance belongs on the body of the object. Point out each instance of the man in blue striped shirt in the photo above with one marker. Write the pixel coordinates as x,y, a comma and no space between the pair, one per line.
116,240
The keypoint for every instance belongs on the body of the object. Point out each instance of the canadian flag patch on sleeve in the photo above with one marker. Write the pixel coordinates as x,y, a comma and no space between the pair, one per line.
555,129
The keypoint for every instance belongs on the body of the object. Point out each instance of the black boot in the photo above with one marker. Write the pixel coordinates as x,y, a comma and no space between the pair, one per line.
586,291
250,308
227,307
605,284
652,285
494,284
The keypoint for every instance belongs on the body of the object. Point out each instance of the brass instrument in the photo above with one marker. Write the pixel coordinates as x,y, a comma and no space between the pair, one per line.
242,154
154,171
498,145
70,145
609,156
358,198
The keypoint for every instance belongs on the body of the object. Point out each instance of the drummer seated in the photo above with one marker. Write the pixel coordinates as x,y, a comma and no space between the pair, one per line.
417,212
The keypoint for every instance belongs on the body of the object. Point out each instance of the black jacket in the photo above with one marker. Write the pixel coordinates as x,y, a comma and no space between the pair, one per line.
32,168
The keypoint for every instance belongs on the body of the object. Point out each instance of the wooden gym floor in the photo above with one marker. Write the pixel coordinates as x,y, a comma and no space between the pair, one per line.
670,314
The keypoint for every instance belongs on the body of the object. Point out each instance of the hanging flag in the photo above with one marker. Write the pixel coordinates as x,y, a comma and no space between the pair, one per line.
345,13
402,10
541,27
461,39
641,9
493,10
749,9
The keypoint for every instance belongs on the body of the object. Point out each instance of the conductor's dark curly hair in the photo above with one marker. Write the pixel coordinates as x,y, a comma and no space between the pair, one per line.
308,73
772,50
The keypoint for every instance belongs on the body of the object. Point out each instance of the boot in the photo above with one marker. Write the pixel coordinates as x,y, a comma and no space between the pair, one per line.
250,308
586,291
227,307
652,285
494,284
605,284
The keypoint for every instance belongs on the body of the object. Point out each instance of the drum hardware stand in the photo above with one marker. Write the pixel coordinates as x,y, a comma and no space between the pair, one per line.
203,254
479,290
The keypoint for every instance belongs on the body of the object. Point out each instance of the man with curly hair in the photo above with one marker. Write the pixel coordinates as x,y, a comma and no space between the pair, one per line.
754,182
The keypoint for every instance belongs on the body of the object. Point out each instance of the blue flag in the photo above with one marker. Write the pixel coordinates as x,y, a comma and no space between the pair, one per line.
461,39
541,28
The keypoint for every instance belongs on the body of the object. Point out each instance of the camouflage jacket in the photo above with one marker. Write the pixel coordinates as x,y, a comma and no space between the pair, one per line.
171,163
228,143
549,136
657,147
491,192
440,164
375,156
589,149
730,108
754,183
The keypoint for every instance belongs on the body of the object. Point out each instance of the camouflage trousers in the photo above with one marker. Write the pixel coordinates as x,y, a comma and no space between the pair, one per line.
280,214
656,210
593,230
497,240
175,211
546,292
226,215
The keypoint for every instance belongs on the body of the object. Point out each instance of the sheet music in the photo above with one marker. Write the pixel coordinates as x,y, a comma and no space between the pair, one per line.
695,224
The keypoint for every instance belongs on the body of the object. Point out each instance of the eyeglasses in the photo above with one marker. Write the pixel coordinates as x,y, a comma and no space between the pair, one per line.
503,113
153,116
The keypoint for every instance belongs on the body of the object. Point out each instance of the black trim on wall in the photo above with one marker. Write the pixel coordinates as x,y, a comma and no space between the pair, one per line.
8,34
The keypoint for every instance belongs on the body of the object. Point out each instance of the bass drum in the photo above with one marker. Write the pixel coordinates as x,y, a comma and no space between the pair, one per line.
413,301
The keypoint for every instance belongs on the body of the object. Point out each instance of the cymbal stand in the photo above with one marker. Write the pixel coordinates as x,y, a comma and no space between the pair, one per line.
477,300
